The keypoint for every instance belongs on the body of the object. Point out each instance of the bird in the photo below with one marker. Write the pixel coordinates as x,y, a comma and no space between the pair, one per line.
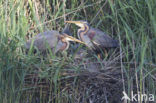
53,39
94,38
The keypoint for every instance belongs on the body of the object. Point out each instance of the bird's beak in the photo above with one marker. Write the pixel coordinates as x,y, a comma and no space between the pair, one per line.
78,23
70,38
74,22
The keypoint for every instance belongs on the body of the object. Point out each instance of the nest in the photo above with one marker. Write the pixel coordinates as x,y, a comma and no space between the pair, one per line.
83,86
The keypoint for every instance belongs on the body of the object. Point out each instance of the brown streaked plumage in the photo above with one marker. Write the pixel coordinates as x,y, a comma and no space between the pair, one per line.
94,38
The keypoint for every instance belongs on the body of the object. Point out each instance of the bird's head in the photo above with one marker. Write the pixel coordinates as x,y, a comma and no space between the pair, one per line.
80,23
63,42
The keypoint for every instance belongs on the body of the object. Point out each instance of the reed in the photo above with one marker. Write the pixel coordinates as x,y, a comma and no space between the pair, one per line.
132,22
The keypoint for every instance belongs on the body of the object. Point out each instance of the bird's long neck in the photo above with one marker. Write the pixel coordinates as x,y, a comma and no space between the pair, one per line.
65,46
82,31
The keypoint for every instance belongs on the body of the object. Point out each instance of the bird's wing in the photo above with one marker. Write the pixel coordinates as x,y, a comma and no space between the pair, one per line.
99,38
46,33
41,40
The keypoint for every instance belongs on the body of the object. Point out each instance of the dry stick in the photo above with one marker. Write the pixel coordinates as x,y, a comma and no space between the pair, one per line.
122,67
6,15
36,11
113,62
150,74
106,98
136,76
98,12
99,74
121,59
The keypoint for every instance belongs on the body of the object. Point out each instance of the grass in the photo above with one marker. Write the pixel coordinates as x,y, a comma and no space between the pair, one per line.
132,22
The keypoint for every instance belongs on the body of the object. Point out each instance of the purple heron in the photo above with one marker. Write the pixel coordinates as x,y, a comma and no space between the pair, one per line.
94,38
53,39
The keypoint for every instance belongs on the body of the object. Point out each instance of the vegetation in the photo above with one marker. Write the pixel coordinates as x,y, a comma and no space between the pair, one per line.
33,78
